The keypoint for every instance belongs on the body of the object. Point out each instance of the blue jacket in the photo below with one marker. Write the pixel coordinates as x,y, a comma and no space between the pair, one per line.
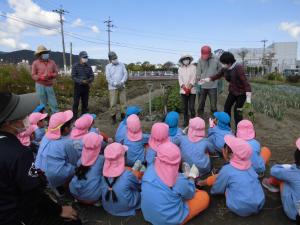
258,162
136,150
216,137
290,196
177,137
58,159
196,153
127,189
244,194
150,156
88,189
78,145
162,205
121,132
39,134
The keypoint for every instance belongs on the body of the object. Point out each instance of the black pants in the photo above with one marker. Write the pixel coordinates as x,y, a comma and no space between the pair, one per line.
81,91
188,102
239,102
212,94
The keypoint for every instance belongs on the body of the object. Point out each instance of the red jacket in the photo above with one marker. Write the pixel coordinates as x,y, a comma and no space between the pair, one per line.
43,72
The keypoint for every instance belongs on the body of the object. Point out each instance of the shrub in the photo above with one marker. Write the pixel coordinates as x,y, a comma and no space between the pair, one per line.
274,76
293,78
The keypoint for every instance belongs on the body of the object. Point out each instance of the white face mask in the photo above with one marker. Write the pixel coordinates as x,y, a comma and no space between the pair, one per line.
114,61
186,62
225,66
84,60
45,56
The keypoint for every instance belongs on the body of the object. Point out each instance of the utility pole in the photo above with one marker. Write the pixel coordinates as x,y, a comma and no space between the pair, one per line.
263,56
109,25
71,52
61,12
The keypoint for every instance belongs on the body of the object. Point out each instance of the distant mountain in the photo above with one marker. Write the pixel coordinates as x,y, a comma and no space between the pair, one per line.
18,56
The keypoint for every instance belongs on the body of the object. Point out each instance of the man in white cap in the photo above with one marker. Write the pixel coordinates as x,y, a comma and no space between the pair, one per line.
44,71
116,76
23,199
83,76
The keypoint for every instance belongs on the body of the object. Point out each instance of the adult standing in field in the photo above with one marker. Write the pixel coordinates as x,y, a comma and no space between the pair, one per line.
116,76
43,72
207,66
187,80
239,87
83,76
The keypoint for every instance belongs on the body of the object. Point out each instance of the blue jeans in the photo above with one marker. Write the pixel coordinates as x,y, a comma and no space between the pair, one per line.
47,96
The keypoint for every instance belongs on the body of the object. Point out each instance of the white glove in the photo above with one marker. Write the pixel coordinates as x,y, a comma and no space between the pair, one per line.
194,173
137,165
186,169
211,123
248,99
115,84
205,80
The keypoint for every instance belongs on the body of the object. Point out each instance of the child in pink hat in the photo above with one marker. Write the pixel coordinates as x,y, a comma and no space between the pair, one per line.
37,120
194,147
238,179
86,184
260,156
135,140
27,136
120,187
56,155
159,135
170,197
286,179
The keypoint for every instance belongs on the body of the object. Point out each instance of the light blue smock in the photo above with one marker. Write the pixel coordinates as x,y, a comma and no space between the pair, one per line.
243,191
177,137
258,162
136,150
58,159
196,153
88,189
162,205
39,133
290,195
127,190
150,155
216,137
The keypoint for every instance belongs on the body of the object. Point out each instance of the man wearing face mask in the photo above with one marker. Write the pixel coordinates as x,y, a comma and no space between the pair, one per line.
83,76
116,76
187,80
44,72
207,66
23,200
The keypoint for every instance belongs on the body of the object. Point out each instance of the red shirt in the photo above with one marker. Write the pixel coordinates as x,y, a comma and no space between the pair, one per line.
43,72
238,83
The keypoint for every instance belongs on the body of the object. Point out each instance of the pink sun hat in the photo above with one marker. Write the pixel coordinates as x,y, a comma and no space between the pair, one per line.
24,137
241,157
57,120
159,135
196,130
81,126
114,163
134,128
298,143
91,148
167,163
245,130
35,117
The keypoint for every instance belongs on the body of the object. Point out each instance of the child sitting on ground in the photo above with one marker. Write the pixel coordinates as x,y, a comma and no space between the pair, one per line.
135,140
120,187
286,179
175,133
86,184
169,197
219,127
56,155
260,156
159,135
238,180
194,147
37,120
122,128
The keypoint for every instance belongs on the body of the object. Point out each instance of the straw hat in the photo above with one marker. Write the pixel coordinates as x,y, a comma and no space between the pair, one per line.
41,49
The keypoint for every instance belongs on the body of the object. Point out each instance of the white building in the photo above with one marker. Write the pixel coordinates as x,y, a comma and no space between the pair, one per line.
285,55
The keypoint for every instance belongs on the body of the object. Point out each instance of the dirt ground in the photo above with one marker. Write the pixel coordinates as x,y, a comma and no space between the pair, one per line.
279,136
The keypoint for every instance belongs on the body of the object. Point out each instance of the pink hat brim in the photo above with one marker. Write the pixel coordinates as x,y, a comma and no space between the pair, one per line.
114,168
298,143
166,172
134,136
195,135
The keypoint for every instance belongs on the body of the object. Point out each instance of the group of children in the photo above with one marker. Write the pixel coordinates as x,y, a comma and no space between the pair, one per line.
160,172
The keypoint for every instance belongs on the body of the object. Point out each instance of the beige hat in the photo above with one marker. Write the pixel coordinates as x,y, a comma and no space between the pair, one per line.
41,49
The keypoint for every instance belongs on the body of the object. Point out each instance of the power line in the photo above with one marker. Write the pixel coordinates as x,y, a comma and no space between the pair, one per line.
109,25
62,12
